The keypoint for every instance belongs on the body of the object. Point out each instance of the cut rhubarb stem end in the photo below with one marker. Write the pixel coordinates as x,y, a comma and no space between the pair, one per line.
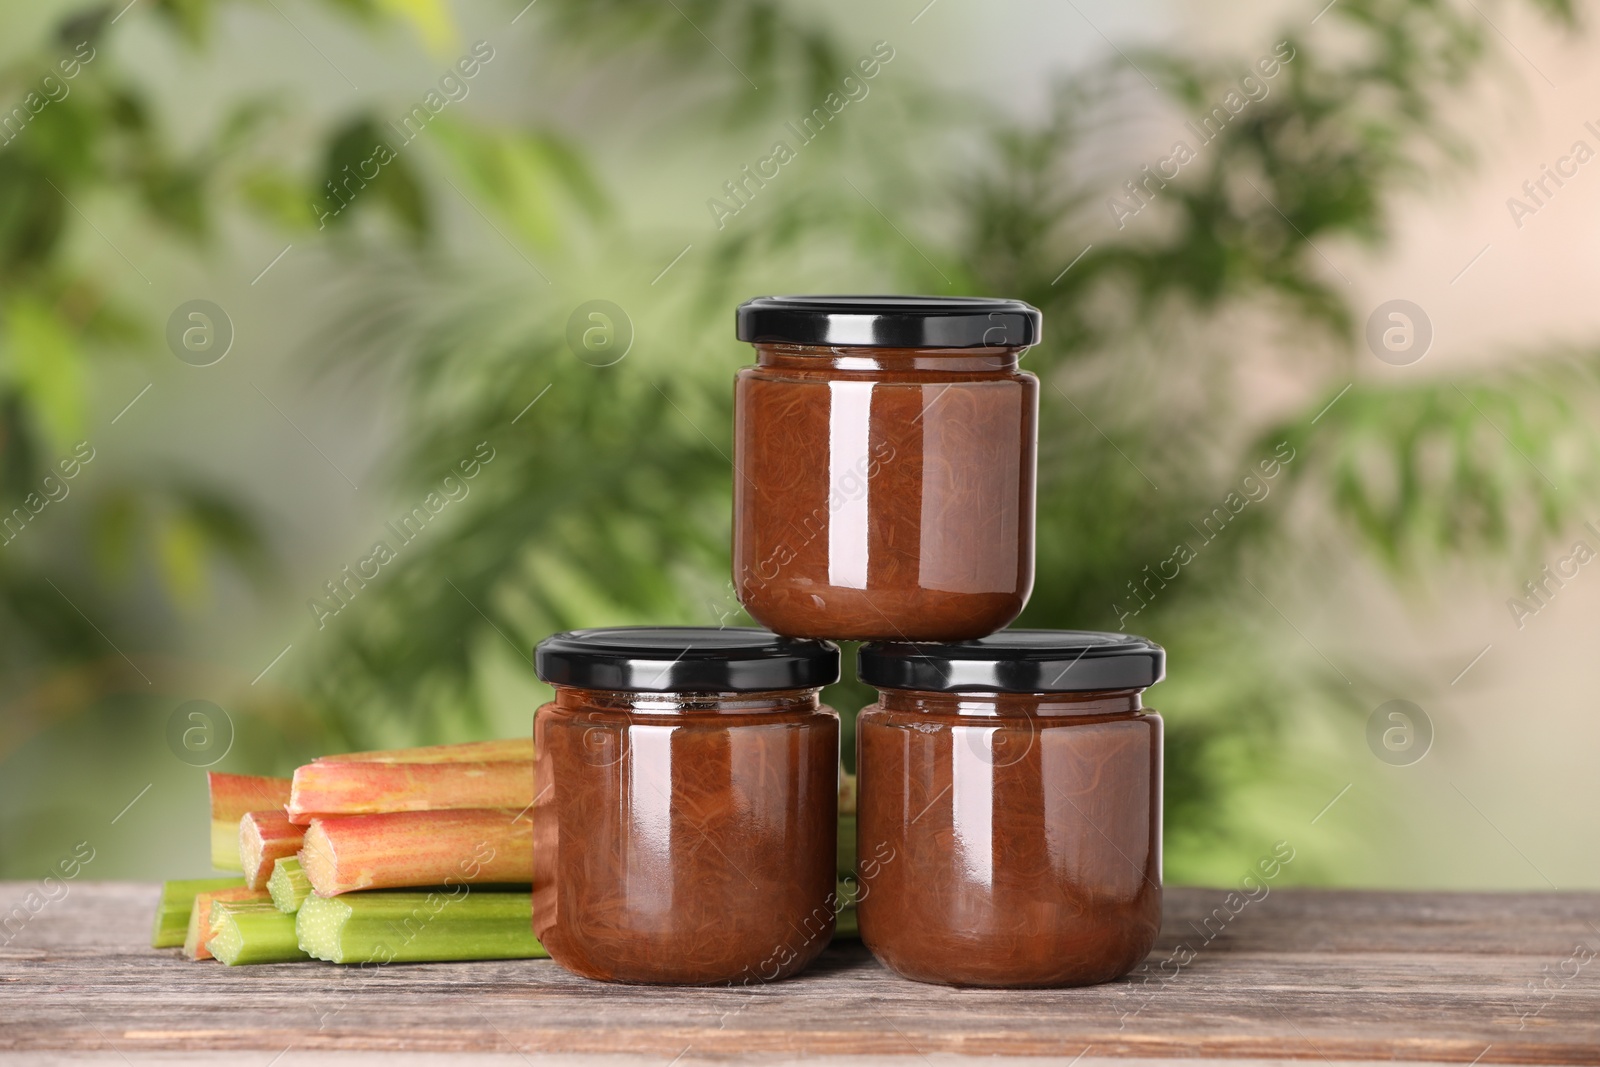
199,932
288,885
264,838
177,900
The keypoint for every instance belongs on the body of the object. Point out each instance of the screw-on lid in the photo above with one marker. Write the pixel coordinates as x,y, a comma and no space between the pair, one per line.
889,321
1017,661
685,659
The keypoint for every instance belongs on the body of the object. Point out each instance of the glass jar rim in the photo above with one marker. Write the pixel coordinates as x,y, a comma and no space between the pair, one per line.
685,659
1016,661
888,321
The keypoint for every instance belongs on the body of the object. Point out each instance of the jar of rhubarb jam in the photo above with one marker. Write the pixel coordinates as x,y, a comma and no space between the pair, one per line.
884,466
686,804
1008,814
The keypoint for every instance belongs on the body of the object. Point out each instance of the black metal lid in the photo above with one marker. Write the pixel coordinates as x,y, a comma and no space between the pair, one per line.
685,659
1017,661
889,321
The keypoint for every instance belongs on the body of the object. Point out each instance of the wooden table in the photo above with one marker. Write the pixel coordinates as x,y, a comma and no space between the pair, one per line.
1301,974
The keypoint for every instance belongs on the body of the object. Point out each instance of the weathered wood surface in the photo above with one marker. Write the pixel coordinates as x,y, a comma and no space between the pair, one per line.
1302,974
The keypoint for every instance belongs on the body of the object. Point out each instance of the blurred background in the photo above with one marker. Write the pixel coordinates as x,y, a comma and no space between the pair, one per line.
272,270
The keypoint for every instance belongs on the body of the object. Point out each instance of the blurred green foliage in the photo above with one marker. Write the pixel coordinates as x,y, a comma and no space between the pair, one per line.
76,130
608,501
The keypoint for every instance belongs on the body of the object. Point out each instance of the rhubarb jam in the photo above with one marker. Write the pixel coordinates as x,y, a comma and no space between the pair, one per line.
884,466
686,804
1010,798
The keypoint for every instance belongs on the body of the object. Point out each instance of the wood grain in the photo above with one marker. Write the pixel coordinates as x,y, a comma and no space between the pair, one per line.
1301,974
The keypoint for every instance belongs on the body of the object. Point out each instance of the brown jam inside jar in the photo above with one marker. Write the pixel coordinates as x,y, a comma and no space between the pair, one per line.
685,835
884,458
1015,836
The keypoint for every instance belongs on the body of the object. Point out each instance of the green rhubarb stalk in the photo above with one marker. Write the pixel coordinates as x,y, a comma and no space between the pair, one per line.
233,796
459,923
199,931
252,931
177,900
845,854
845,926
847,823
288,885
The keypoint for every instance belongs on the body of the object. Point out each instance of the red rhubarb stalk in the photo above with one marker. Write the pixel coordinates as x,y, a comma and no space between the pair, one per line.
499,776
516,748
194,943
265,837
417,848
233,796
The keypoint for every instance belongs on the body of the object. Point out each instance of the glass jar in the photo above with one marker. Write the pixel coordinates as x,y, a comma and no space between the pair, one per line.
884,466
686,804
1008,814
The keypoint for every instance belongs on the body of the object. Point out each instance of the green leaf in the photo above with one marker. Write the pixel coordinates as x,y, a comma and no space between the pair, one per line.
181,548
431,21
1491,465
525,178
43,361
278,198
365,167
192,18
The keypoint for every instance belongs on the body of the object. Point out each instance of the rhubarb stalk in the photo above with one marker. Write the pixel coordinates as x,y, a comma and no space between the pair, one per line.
516,748
288,885
199,932
417,848
845,924
252,931
264,838
846,927
846,847
177,900
233,796
445,924
490,774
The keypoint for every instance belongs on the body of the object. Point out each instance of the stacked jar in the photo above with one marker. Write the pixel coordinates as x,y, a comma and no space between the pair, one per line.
1010,780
